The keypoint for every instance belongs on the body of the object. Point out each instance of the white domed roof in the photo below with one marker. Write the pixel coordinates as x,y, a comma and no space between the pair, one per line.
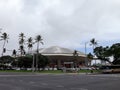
56,50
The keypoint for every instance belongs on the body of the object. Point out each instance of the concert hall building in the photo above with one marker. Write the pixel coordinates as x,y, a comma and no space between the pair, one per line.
59,57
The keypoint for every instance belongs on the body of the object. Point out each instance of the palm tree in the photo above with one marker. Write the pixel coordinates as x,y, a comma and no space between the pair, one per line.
38,40
14,53
5,38
75,55
21,38
90,57
93,43
21,43
30,44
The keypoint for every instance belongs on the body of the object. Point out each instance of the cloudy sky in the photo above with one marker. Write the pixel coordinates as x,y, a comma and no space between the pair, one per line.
66,23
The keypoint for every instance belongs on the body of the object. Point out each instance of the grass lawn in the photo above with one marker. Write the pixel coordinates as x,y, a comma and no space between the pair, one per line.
15,71
50,71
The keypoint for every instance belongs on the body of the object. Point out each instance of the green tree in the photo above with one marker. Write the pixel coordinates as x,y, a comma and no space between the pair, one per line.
115,52
43,61
24,62
5,38
6,61
103,53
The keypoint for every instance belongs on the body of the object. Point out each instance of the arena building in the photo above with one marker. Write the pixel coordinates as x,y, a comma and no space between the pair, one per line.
60,57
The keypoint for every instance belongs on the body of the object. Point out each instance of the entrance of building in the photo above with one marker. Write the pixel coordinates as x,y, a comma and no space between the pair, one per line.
69,64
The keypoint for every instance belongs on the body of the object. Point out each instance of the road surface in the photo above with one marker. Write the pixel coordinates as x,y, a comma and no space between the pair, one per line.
59,82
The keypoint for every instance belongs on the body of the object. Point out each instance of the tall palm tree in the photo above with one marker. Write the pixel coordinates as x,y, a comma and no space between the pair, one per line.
5,38
21,38
90,57
38,40
14,53
75,55
93,43
21,43
30,44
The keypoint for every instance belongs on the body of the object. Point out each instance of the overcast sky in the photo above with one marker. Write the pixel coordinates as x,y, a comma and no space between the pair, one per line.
66,23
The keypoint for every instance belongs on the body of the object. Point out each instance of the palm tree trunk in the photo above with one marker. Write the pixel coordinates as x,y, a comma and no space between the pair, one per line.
3,47
21,52
28,50
31,50
93,54
37,56
38,47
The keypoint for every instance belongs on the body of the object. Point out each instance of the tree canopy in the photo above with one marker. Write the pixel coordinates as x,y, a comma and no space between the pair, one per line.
104,53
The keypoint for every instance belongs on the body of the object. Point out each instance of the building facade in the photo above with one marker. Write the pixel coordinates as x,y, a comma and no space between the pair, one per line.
63,57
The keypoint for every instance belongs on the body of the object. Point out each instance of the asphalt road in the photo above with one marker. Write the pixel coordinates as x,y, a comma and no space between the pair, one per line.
59,82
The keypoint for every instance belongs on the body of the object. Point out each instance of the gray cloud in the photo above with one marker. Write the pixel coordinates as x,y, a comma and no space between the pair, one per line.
61,22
